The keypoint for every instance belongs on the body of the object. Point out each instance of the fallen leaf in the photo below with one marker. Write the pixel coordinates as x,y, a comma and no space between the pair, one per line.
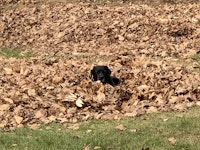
57,79
74,126
131,114
9,100
88,131
198,103
18,119
31,92
4,107
172,140
133,130
165,119
120,127
79,102
97,147
34,126
8,71
87,148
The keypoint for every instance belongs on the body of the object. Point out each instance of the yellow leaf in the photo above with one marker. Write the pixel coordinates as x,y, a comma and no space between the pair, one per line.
57,79
8,71
9,100
34,126
39,114
120,127
74,126
18,119
31,92
97,147
172,140
4,107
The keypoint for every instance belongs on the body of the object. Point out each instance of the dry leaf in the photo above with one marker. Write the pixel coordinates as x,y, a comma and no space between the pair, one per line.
70,98
74,126
18,119
87,148
79,102
131,114
133,130
172,140
198,103
31,92
57,79
4,107
9,100
97,147
8,71
34,126
120,127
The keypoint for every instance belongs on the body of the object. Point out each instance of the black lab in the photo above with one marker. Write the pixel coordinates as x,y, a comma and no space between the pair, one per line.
103,73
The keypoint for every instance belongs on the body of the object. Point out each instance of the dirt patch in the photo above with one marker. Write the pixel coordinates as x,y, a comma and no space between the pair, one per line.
138,42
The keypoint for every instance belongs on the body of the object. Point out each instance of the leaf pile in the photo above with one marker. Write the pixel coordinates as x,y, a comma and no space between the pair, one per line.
139,43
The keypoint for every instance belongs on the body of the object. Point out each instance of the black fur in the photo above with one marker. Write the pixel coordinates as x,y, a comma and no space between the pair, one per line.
103,73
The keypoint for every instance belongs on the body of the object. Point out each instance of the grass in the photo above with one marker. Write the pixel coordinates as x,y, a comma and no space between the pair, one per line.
17,53
149,131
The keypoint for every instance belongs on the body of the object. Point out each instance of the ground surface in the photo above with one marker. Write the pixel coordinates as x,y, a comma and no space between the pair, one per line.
147,46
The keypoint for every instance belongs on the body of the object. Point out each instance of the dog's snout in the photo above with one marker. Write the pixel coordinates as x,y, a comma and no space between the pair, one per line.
101,78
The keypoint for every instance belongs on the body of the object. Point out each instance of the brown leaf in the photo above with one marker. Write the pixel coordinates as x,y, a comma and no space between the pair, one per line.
86,148
9,100
4,107
39,114
131,114
198,103
172,140
152,109
97,147
57,79
133,130
31,92
120,127
34,126
8,71
18,119
74,126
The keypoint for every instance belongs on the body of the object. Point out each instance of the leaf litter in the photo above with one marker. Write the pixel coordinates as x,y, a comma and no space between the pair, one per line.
140,43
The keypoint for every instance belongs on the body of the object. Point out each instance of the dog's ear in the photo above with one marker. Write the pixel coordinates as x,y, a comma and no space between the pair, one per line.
93,74
107,70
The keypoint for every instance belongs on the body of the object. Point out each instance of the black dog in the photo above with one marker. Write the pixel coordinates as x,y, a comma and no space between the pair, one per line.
103,73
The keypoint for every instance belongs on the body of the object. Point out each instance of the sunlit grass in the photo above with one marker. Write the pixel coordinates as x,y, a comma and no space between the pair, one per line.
148,131
16,53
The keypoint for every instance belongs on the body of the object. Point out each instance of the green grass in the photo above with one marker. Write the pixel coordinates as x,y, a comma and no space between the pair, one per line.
150,131
16,53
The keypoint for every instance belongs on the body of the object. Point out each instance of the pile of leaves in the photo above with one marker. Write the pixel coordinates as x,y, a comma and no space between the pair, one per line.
139,43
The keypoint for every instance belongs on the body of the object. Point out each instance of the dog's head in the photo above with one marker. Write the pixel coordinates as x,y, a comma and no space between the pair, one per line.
101,73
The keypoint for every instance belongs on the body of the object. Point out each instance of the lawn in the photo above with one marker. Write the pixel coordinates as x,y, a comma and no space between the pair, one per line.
158,131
